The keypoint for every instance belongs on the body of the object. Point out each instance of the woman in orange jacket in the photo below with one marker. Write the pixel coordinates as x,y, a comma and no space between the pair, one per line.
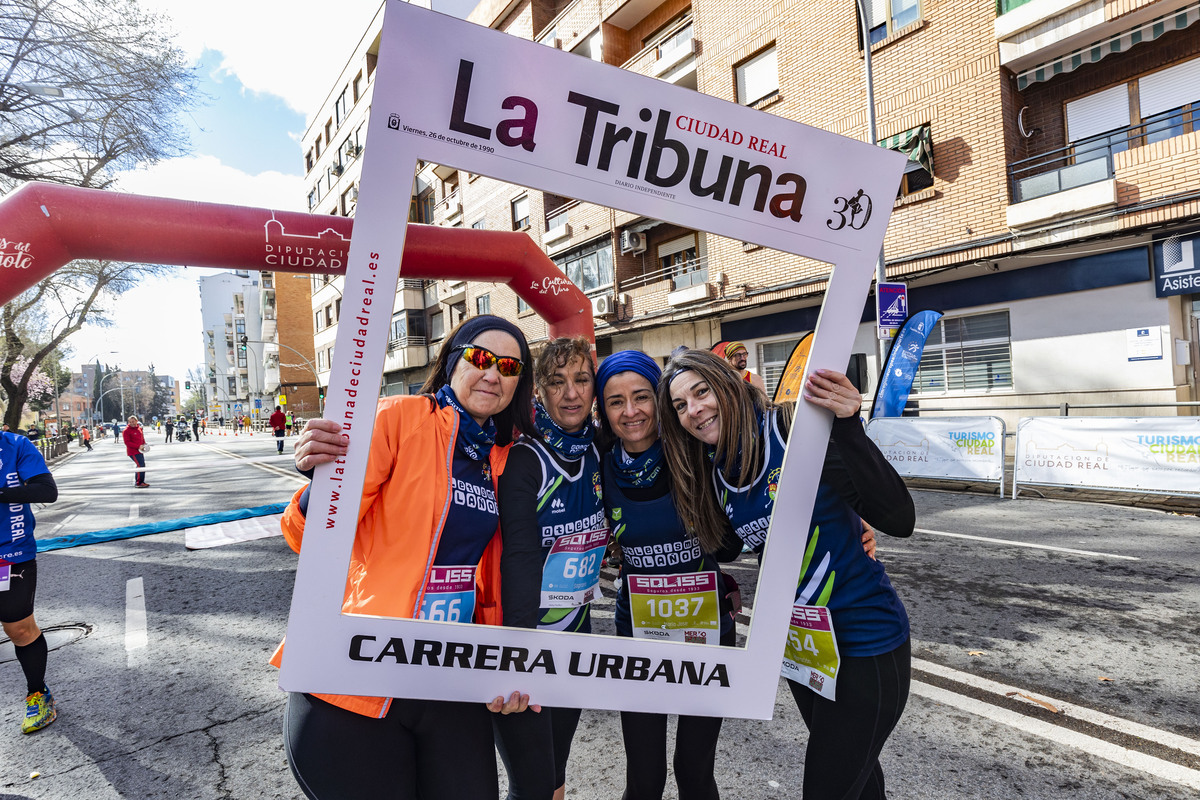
410,526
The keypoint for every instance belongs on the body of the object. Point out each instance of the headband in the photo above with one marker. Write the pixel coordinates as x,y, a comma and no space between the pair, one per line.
627,361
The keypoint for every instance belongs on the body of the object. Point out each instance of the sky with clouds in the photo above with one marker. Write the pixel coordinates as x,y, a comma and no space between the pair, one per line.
263,68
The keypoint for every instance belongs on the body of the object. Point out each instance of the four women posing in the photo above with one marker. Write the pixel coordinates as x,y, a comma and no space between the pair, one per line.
674,506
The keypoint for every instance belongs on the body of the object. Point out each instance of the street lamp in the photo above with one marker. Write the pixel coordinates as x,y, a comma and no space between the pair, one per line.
864,25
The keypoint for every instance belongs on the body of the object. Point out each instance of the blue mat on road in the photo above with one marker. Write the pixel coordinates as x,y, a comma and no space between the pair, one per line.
132,531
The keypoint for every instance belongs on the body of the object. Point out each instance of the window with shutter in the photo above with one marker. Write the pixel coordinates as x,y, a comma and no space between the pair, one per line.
757,77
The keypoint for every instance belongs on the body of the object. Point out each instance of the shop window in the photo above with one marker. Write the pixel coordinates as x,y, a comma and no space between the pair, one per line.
967,354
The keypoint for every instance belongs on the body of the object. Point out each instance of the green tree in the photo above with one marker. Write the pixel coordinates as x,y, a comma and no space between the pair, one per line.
160,400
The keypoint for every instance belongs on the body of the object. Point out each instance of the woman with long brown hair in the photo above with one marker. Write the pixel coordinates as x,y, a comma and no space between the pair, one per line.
725,442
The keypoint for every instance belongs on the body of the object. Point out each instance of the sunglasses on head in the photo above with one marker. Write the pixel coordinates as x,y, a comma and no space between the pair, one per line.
483,359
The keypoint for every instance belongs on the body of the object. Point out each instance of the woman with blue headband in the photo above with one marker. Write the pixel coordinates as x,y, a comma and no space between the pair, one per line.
428,516
670,589
554,534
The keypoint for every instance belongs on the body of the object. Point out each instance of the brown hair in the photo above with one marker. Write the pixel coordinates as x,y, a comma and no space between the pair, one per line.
739,449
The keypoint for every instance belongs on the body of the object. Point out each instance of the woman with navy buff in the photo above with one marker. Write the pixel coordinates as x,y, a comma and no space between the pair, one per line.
687,584
554,534
428,516
848,657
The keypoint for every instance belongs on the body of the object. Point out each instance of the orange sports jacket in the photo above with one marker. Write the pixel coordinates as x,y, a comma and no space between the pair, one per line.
400,521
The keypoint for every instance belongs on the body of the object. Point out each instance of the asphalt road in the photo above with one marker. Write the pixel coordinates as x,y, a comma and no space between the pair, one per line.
1050,598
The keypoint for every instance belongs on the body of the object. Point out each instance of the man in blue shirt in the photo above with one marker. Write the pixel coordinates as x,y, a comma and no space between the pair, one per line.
24,479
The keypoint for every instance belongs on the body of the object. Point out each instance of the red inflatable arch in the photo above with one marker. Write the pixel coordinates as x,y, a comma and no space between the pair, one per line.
44,226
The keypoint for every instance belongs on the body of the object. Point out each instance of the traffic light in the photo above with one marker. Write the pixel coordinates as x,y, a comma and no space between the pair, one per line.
321,392
242,345
187,384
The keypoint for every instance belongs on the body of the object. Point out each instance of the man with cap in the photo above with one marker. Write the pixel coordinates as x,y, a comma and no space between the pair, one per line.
735,354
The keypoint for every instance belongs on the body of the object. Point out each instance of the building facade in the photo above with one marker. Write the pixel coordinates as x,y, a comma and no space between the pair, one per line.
1049,208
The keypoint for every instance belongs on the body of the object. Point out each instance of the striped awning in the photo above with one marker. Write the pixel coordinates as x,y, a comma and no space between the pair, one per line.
916,143
1147,32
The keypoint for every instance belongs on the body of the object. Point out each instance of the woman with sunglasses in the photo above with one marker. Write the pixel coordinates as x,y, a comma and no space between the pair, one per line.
428,505
552,518
654,542
723,438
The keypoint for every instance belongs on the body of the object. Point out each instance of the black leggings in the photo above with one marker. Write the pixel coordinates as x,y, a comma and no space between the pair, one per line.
421,750
645,738
846,737
535,749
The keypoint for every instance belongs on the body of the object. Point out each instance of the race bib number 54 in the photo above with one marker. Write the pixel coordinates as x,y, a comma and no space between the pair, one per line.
675,608
811,655
449,594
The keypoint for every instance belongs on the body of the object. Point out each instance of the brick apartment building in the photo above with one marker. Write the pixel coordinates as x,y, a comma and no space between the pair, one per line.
1054,151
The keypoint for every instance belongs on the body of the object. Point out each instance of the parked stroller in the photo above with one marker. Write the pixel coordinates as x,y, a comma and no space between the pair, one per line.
183,432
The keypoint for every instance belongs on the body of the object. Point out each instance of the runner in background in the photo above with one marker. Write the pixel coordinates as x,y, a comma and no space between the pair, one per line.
428,515
654,542
26,480
552,520
849,639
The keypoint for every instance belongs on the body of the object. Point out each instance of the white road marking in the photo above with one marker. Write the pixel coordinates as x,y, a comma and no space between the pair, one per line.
1026,544
1099,718
60,526
134,510
1156,767
135,615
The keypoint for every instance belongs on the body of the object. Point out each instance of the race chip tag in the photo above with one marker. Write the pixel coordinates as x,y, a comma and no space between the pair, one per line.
5,574
676,608
449,595
810,657
571,576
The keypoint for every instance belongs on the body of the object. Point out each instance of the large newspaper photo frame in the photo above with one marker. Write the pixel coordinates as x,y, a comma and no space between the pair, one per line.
450,92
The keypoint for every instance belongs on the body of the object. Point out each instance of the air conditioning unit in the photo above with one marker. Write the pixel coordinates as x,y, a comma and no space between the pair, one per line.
603,306
633,242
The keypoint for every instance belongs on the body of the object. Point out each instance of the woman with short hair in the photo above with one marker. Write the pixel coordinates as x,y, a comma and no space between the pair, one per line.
554,531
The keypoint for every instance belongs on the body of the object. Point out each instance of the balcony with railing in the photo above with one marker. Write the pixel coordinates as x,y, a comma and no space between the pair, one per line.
671,57
1083,176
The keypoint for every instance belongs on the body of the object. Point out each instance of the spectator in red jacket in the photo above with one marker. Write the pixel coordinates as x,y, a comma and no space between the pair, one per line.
278,423
135,448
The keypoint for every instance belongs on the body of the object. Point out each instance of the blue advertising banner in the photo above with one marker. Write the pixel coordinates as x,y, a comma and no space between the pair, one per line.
897,379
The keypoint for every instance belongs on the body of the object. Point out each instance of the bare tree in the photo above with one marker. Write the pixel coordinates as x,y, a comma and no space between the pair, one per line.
38,321
87,88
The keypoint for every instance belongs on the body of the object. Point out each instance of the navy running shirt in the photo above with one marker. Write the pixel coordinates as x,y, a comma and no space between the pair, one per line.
653,542
472,517
868,617
570,500
20,460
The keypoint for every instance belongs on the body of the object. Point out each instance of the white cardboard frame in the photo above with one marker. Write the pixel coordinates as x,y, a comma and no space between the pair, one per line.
420,72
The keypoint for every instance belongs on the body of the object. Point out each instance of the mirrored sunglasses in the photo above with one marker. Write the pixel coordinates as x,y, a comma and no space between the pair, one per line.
483,359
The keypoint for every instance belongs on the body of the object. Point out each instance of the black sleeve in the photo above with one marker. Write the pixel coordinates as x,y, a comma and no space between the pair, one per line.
38,489
303,501
731,547
865,479
522,559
